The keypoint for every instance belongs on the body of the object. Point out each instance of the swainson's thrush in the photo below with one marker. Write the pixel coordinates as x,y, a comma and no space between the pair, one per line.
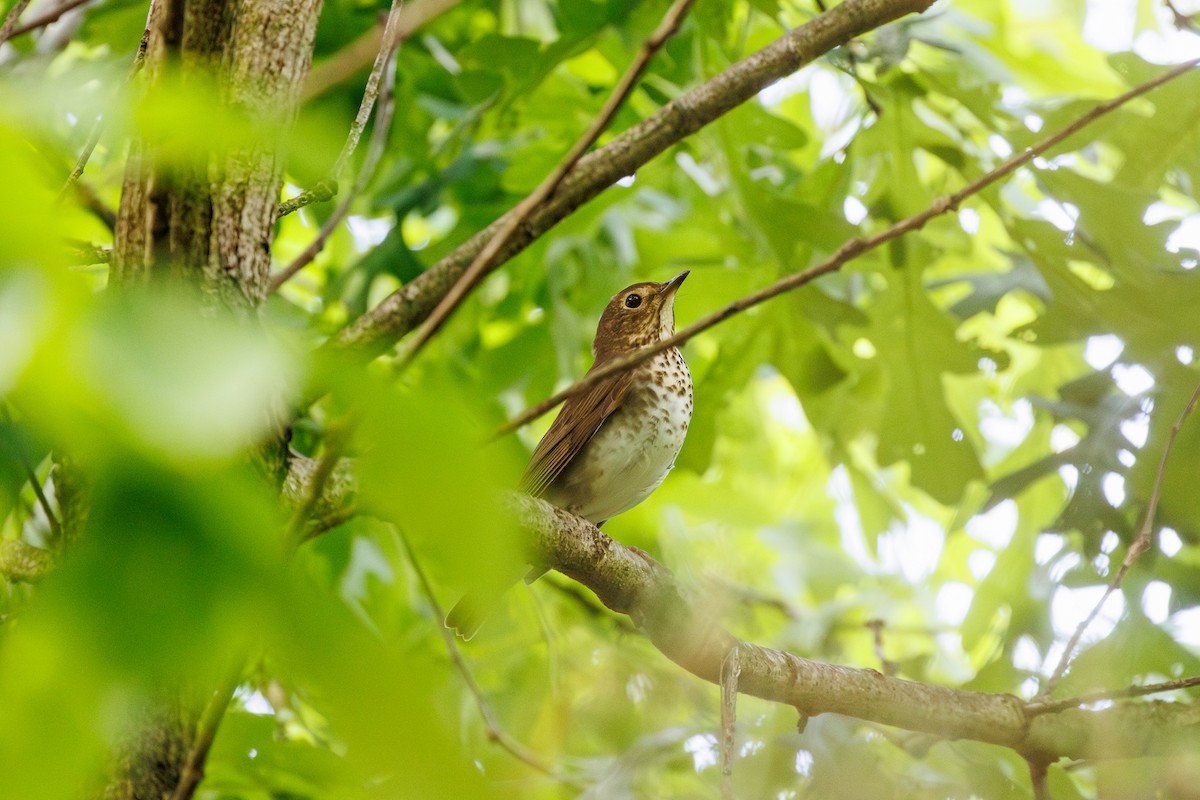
612,445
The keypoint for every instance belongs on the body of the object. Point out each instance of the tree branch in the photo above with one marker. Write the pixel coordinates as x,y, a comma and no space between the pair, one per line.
486,260
399,313
631,583
10,20
1038,707
1037,779
47,18
850,250
1139,545
192,771
93,139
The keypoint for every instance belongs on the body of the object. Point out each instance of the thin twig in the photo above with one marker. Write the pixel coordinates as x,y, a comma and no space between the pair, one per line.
93,139
495,731
387,49
1037,779
47,18
1182,21
482,263
731,670
382,85
10,21
206,731
31,474
886,666
1139,545
1035,708
848,251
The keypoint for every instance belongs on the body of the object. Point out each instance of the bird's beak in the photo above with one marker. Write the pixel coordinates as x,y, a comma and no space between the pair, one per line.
674,284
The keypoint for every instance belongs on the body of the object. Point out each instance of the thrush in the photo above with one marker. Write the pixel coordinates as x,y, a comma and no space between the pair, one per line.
613,444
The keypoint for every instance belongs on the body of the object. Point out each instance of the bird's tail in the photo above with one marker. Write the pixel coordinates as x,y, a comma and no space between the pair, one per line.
469,613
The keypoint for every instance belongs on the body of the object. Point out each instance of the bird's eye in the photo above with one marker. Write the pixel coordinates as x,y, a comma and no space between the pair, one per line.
633,301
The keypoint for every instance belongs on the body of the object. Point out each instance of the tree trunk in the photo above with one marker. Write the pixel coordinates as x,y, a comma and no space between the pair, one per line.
211,216
207,217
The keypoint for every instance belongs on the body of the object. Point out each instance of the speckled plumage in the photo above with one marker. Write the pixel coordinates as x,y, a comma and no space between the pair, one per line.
634,448
609,448
612,445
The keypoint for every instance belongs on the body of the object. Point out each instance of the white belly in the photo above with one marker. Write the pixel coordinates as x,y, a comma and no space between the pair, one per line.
630,455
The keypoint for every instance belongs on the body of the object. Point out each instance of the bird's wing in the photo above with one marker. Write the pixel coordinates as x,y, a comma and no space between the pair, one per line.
581,416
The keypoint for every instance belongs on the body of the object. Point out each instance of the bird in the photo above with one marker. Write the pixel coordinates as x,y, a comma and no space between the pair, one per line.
611,445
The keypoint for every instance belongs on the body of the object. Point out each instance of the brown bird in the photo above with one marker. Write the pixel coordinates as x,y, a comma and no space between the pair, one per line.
612,445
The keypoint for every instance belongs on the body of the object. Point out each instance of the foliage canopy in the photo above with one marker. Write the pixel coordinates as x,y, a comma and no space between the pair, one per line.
956,435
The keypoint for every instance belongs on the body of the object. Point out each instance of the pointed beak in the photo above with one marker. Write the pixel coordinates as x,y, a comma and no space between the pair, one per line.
674,284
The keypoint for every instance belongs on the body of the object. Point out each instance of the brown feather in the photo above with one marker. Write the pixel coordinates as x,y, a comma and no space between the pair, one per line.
580,418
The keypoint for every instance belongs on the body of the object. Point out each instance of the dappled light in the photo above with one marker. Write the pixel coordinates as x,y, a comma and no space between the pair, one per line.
901,497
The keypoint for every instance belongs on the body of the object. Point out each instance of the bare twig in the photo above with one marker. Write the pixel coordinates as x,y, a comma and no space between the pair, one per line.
731,670
848,251
1139,545
206,731
10,21
484,260
885,665
93,139
381,84
495,731
1037,779
47,18
1047,707
1182,21
383,66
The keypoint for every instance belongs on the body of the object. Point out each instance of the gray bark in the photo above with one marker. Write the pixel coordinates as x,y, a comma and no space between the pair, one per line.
208,220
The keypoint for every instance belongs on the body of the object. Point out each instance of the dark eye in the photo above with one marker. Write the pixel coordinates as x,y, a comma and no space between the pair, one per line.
633,301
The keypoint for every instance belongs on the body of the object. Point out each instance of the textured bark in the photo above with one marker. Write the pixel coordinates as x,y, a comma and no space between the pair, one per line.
208,218
23,562
684,630
337,501
211,218
150,760
400,312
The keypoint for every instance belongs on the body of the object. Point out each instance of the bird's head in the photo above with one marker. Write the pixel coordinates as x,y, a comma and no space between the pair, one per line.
637,315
